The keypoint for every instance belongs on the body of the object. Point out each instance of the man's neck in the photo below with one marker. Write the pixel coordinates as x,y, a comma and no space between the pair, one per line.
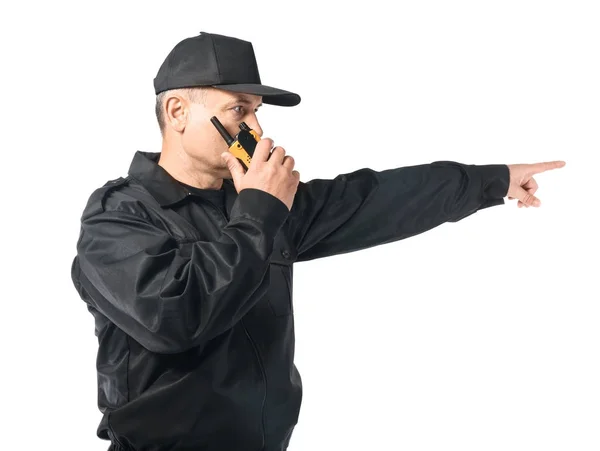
186,170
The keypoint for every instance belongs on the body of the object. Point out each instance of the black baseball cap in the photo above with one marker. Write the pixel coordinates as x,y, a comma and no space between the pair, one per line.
221,62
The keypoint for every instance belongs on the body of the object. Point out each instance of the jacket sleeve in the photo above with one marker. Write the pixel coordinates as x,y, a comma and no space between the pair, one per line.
368,208
169,295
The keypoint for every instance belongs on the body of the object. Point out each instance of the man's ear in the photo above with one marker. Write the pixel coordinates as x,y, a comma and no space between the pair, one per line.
176,112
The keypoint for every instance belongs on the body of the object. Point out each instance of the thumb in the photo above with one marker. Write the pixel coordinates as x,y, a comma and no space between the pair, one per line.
234,166
527,198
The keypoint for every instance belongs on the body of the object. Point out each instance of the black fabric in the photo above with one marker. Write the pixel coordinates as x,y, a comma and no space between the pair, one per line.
215,196
219,61
206,197
193,305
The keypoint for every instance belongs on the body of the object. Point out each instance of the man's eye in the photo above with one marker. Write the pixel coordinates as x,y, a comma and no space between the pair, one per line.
241,111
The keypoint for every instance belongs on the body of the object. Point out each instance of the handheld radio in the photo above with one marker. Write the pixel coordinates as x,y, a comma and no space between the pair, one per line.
242,145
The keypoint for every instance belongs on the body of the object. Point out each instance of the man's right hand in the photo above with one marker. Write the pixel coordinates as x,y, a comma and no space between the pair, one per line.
272,172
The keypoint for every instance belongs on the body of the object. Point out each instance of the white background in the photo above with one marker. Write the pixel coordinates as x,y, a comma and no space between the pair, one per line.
479,335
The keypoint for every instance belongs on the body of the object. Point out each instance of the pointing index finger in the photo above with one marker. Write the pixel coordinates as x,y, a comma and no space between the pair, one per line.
547,166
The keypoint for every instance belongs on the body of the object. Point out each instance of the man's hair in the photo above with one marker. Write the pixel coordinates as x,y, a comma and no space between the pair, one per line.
196,95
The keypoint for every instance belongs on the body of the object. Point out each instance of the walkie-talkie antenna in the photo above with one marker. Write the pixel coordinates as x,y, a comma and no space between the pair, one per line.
224,133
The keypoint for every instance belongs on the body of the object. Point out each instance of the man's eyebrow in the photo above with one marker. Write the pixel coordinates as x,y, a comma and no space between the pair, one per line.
243,100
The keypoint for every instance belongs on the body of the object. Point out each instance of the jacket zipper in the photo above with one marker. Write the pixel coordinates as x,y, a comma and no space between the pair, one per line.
255,348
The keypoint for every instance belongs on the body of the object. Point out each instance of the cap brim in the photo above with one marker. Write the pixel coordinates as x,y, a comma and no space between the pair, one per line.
270,95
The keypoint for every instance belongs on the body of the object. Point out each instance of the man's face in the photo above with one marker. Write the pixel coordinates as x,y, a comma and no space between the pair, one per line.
201,140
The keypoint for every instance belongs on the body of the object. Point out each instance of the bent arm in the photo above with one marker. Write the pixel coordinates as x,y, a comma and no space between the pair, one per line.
170,295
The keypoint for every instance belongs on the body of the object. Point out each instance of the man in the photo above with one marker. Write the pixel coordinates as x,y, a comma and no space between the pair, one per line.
186,264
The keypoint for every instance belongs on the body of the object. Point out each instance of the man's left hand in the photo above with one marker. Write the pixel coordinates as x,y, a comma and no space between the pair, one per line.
523,186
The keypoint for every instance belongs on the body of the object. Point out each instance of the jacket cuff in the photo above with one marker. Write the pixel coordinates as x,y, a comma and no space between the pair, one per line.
495,180
261,207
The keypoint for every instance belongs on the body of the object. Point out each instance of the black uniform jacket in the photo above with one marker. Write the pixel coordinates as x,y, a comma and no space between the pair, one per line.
191,291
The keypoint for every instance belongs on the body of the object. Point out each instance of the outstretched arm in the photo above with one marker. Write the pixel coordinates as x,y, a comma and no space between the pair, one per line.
368,208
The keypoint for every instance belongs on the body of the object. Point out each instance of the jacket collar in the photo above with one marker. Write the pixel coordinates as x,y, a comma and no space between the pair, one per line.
158,182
